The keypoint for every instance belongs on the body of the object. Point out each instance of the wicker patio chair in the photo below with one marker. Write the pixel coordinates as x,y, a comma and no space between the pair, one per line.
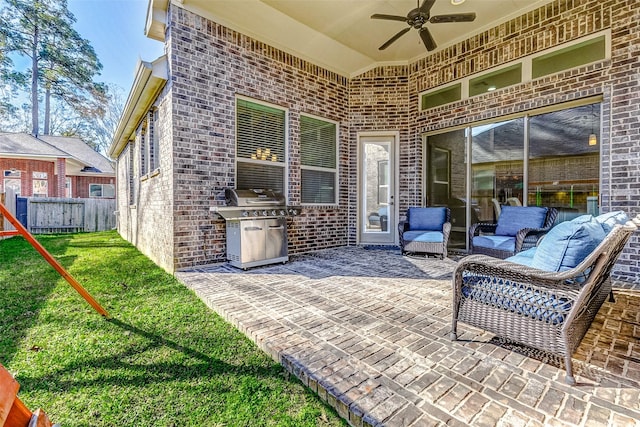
426,230
547,310
522,230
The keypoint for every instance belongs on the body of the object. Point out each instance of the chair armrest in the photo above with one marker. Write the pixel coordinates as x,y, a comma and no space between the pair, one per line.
484,227
485,265
446,231
403,226
527,238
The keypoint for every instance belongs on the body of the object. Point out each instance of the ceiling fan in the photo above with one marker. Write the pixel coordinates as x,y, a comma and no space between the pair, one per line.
419,16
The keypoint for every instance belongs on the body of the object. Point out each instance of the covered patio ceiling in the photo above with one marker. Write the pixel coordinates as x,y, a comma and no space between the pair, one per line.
340,34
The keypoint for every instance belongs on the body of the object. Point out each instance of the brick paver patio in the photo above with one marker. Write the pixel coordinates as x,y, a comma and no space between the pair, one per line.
368,330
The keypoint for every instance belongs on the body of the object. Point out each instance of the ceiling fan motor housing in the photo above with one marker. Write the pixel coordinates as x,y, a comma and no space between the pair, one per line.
417,19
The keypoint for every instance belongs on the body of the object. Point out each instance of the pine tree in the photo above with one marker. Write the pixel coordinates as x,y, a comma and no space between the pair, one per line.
62,63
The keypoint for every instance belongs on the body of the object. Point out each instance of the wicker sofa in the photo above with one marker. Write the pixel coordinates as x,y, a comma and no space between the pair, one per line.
547,310
425,230
518,228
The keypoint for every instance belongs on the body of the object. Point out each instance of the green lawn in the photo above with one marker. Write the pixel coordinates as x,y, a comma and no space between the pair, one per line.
164,359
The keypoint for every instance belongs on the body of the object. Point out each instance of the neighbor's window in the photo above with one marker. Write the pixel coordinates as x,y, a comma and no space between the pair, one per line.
104,191
260,145
40,184
12,181
318,157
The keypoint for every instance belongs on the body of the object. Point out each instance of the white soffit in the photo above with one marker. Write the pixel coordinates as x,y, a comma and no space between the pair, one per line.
340,34
258,20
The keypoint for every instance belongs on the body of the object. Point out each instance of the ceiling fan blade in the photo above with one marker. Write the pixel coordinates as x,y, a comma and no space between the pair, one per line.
428,41
389,17
394,38
460,17
426,6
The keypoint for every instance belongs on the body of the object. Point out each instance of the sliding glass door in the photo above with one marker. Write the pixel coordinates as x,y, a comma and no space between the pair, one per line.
549,159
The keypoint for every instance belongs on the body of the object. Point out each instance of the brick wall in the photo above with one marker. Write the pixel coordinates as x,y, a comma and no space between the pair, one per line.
617,80
210,65
27,167
145,200
378,101
80,184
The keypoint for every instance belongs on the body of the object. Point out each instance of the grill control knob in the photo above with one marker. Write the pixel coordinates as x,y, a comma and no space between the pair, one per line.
256,213
265,213
282,212
245,213
273,213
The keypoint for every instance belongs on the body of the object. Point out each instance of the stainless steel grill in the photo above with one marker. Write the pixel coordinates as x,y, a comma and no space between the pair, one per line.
256,226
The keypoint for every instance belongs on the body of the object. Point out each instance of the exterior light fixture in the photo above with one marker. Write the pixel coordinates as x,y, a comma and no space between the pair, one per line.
491,88
457,2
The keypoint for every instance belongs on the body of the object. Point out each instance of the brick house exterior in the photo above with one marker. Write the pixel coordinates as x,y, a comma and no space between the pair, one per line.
56,166
165,211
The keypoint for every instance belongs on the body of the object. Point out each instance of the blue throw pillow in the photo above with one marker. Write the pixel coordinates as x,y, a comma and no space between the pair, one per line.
568,244
610,219
514,218
524,257
426,218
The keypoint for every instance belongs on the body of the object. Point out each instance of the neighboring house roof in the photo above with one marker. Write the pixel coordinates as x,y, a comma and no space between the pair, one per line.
22,144
79,149
80,157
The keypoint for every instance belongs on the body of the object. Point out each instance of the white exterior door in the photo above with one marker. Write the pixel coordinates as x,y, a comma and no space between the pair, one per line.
377,190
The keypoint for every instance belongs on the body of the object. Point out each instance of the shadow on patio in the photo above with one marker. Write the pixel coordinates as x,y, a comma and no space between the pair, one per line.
367,329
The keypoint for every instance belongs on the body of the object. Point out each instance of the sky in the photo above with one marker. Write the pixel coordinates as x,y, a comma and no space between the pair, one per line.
115,29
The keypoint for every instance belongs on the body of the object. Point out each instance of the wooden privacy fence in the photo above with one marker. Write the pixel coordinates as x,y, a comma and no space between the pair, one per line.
61,215
56,215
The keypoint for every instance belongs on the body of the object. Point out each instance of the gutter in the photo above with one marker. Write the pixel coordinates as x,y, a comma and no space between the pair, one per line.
149,80
156,22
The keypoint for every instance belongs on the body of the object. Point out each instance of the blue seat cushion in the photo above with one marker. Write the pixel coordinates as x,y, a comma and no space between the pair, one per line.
517,298
524,257
567,244
423,236
431,219
502,243
610,219
514,218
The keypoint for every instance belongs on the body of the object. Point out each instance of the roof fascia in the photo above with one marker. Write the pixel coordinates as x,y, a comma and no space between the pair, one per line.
156,23
149,80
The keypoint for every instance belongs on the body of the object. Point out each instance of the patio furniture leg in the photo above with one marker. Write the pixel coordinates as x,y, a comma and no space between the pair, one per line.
569,379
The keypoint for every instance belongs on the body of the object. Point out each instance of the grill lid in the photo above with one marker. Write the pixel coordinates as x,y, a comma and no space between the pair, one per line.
253,197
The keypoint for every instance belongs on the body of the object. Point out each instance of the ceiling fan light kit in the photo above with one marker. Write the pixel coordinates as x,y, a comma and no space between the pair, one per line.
419,16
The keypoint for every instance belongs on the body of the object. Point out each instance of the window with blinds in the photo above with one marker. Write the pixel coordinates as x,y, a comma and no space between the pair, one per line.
318,158
260,146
